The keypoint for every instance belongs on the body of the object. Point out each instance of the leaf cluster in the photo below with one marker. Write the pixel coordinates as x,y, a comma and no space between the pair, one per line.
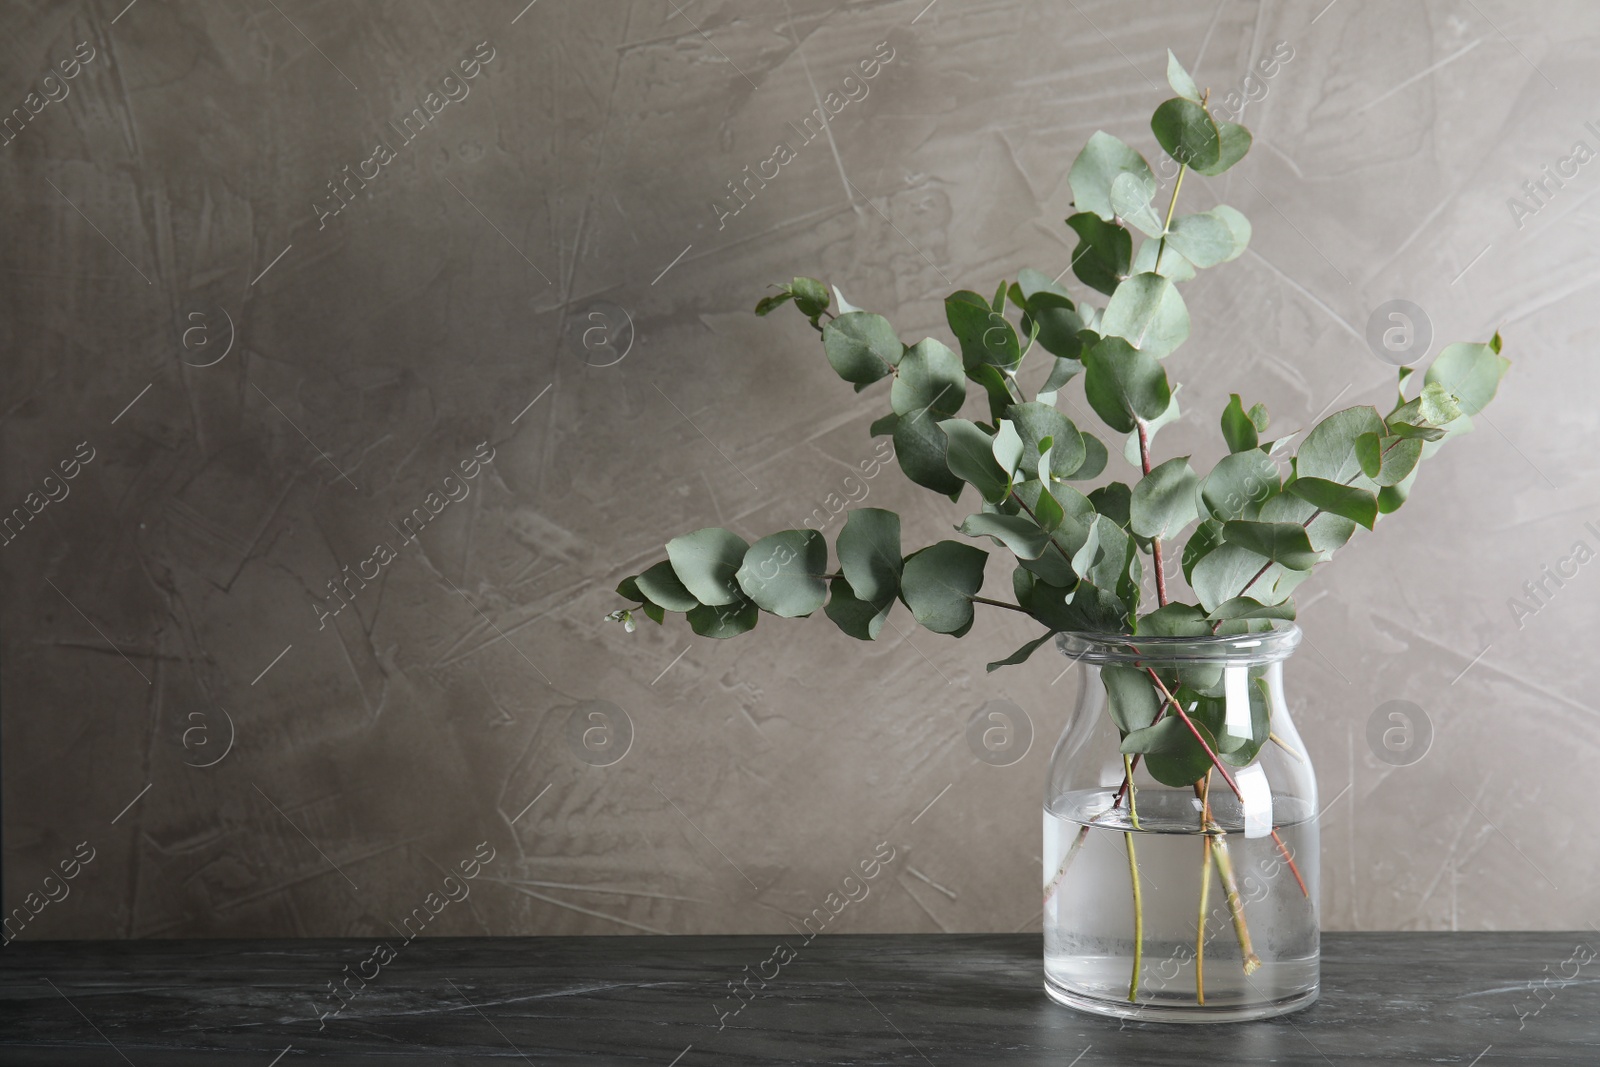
1262,518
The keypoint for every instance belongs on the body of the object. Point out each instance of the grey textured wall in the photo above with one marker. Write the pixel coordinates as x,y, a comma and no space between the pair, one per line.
257,390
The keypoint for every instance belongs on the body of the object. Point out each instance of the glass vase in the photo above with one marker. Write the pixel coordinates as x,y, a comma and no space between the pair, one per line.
1193,902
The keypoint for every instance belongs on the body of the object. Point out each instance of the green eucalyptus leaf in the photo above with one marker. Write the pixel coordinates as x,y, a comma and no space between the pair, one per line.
1158,258
1056,324
1048,510
724,620
1131,701
628,589
660,585
1031,282
1021,654
1133,200
706,562
1097,166
987,338
996,384
1471,372
1327,531
1061,372
1351,502
1387,460
1228,571
930,376
1285,543
1007,447
939,582
885,425
861,347
784,573
1094,460
970,455
1259,417
767,303
1035,422
869,554
1238,485
1148,313
1103,254
1329,450
1244,607
1175,620
1204,239
1179,79
811,297
1237,428
1171,754
655,612
1207,537
845,307
1018,533
1233,143
1188,133
1114,500
856,617
1165,500
1390,497
1123,383
919,446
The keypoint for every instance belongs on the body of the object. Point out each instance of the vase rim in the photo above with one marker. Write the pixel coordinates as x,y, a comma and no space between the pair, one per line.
1268,646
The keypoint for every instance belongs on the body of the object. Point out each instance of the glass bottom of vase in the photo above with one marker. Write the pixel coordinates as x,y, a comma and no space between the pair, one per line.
1177,1012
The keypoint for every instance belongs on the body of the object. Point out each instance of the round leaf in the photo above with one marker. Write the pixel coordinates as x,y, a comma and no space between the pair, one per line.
1034,422
869,554
783,573
919,447
1148,313
1239,484
1471,372
724,621
705,562
856,617
930,376
1329,450
970,456
1164,501
1234,142
1280,542
1123,383
1188,133
661,585
861,346
938,584
1097,166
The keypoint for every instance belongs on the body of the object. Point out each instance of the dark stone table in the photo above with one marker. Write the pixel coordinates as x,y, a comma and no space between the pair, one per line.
1410,998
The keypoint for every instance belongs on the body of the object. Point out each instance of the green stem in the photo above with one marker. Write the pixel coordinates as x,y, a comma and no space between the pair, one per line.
997,603
1138,919
1183,168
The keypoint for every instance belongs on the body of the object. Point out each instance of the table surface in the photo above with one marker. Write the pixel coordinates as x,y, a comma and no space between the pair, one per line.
1394,998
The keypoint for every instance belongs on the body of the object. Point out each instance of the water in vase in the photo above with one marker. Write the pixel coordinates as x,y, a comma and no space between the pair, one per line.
1089,914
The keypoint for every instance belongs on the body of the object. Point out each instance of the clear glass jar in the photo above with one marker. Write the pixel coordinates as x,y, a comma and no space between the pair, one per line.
1152,909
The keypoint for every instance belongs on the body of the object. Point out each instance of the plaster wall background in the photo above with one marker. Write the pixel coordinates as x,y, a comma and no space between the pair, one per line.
166,209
